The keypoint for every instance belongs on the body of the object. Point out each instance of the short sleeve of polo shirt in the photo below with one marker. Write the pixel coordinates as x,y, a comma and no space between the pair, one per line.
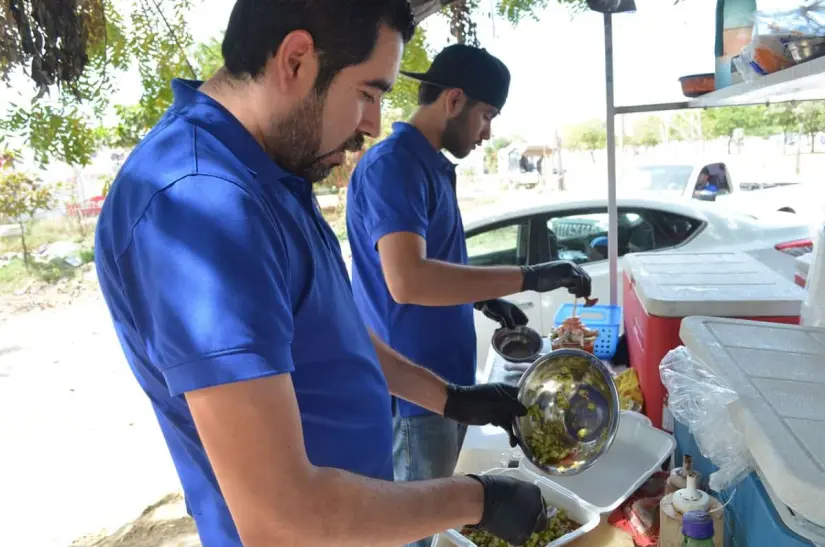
208,286
394,196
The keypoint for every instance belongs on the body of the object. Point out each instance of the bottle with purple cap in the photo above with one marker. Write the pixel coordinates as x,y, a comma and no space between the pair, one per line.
697,529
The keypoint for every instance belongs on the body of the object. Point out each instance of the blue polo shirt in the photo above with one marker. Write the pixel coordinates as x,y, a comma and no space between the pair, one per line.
217,267
403,184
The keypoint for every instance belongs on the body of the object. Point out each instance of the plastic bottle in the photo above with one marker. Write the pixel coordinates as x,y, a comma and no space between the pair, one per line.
697,529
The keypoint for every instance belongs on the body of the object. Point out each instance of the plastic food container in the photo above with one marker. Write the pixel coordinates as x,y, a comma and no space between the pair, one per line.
587,518
638,451
697,85
605,319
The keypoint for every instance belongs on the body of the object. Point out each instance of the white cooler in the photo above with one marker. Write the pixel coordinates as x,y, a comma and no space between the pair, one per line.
778,371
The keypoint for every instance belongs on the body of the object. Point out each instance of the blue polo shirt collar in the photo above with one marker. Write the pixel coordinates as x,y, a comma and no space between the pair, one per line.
203,111
419,144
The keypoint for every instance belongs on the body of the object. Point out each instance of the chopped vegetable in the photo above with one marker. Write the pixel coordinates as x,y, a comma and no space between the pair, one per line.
547,440
557,526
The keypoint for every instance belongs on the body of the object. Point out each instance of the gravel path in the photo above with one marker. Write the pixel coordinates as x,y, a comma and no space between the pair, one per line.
80,450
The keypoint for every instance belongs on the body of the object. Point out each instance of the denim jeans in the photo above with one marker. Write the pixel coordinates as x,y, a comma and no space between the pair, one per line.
425,447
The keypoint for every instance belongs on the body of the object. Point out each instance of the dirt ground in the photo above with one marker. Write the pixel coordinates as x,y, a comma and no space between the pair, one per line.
81,455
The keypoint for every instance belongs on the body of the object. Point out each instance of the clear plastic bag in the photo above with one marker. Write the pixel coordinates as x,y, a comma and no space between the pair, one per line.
805,20
764,55
699,399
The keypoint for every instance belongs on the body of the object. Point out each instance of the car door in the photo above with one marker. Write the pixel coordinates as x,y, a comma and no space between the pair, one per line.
580,236
505,243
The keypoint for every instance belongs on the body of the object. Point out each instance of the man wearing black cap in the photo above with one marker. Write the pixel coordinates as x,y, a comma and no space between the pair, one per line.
411,280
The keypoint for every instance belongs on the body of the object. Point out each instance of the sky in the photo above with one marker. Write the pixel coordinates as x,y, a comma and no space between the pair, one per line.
556,63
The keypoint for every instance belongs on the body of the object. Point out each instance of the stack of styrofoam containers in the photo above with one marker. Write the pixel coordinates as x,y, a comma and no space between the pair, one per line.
638,451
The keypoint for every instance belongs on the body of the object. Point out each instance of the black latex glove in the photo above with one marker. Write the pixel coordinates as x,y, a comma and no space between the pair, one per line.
513,509
484,404
556,275
503,312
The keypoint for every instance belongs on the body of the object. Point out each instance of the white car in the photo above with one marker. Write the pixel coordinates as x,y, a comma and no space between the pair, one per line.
569,229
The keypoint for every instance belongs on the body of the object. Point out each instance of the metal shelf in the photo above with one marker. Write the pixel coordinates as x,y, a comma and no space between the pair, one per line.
803,82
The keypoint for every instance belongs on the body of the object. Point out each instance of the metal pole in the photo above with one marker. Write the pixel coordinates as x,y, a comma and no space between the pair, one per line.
612,210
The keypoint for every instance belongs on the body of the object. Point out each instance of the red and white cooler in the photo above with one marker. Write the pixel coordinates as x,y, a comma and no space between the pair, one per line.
803,266
660,289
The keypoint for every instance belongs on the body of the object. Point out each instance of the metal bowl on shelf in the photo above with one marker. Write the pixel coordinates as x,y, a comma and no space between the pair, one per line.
573,412
807,49
518,345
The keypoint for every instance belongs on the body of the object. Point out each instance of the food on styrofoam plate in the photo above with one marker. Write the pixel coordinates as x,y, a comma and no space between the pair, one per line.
558,525
572,333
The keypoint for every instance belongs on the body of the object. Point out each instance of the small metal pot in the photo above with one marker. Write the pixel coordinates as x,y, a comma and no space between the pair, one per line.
518,345
805,50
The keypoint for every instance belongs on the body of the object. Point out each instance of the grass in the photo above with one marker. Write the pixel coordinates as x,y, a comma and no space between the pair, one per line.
40,232
15,276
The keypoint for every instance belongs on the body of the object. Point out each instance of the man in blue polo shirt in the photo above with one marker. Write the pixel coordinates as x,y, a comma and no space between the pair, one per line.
410,277
231,300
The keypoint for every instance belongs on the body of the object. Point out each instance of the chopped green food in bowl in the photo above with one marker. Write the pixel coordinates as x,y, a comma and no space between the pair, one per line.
558,526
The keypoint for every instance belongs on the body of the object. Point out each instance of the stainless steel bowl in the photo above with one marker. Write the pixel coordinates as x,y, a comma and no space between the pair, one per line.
518,345
805,50
574,395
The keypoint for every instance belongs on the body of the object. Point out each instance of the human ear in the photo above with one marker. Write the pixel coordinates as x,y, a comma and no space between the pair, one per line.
294,63
455,101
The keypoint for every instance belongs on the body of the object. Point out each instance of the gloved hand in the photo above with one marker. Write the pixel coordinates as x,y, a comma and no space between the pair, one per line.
484,404
513,509
555,275
503,312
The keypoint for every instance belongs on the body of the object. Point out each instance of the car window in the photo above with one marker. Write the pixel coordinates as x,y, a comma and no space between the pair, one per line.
582,237
715,178
499,246
658,178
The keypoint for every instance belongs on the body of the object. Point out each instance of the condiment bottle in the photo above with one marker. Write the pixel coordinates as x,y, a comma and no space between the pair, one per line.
678,477
697,529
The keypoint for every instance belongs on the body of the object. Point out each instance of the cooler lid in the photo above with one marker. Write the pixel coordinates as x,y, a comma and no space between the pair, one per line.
720,284
779,373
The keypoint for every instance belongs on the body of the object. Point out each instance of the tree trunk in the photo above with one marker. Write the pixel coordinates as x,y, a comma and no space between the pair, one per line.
23,242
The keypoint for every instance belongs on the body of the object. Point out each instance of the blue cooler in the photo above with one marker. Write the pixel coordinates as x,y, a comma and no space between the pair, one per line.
751,520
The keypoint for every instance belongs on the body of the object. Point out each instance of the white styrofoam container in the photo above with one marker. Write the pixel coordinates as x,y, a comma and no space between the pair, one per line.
721,284
638,451
586,516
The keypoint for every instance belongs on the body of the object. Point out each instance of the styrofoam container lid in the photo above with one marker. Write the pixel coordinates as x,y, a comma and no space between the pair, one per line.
722,284
779,373
638,451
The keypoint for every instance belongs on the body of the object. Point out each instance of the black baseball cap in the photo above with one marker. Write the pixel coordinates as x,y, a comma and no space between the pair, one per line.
481,76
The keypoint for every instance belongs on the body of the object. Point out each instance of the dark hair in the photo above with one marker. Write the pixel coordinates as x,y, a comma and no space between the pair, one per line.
429,93
345,32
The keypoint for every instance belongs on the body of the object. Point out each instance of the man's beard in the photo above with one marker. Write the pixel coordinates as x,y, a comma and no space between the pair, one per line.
454,139
294,142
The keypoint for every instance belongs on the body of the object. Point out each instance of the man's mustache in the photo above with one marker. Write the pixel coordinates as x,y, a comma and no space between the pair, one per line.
353,144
